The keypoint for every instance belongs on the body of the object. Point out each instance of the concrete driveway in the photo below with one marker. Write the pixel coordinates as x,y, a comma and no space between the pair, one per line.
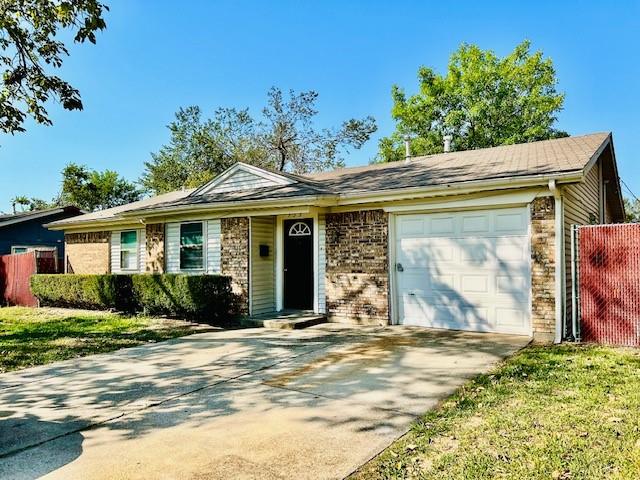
254,404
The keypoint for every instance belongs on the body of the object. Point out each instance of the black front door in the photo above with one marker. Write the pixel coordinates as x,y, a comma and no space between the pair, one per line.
298,264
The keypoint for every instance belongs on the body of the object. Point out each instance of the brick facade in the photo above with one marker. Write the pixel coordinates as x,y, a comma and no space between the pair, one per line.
543,268
87,252
155,247
234,257
357,280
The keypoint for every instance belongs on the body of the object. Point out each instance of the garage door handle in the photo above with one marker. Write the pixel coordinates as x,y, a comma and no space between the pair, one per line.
399,267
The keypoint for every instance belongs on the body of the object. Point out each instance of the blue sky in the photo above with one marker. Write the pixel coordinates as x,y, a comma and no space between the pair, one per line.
157,56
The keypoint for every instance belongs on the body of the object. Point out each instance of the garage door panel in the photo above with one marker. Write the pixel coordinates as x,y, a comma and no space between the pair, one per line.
412,226
475,223
511,222
442,226
417,252
476,283
469,270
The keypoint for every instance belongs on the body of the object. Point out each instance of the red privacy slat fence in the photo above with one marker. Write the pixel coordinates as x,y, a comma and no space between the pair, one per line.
15,271
609,284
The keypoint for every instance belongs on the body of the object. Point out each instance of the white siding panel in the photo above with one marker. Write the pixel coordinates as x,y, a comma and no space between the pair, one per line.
582,203
142,250
115,252
213,246
263,281
172,247
322,264
242,180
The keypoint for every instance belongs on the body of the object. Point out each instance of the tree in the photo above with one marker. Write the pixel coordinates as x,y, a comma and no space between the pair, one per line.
31,204
30,44
200,149
93,190
482,101
292,142
632,210
283,139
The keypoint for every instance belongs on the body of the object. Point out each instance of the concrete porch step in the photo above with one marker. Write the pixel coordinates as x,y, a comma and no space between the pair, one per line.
286,320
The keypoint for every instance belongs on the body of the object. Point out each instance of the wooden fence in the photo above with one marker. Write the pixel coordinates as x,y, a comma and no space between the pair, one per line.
15,271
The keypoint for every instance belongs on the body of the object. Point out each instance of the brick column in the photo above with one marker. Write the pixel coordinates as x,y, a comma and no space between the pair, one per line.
543,268
155,247
234,257
357,277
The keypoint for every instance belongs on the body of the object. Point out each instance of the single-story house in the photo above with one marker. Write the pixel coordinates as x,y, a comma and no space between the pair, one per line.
25,231
471,240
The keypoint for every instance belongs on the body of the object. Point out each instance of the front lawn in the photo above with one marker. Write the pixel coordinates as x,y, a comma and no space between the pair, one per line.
35,336
561,412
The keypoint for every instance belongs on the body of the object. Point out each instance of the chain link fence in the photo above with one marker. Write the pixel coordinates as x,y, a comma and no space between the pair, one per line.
606,292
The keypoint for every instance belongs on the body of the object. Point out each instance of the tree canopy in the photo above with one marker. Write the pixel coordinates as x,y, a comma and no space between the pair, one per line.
30,46
482,101
87,189
93,190
632,210
283,138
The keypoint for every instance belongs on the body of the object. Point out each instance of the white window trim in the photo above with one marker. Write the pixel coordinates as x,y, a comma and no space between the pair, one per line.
137,252
202,268
34,248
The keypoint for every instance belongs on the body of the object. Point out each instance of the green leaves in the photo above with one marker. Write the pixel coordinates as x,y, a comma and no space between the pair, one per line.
93,190
283,138
483,101
29,31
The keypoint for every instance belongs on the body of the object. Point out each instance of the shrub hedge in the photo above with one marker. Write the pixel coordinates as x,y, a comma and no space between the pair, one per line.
206,298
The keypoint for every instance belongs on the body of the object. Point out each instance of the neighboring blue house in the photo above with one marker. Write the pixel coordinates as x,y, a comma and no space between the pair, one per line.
24,231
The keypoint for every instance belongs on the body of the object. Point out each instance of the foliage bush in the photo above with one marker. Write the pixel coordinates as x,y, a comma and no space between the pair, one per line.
206,298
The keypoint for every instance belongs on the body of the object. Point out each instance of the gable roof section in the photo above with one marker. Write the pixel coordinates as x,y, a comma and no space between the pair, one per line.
12,219
113,214
548,157
242,176
564,159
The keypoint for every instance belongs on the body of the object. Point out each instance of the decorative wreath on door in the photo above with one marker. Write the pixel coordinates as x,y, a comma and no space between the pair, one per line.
299,229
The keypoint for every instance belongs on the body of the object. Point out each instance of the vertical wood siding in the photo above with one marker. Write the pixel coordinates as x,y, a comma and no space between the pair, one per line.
263,278
581,201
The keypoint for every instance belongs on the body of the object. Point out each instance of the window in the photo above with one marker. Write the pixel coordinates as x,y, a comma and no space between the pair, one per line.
191,247
299,229
129,250
29,248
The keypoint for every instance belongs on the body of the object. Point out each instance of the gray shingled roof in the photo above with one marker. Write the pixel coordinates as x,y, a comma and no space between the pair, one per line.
557,156
561,155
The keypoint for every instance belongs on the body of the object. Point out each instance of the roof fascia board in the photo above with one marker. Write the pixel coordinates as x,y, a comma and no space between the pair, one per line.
26,218
594,158
473,186
512,198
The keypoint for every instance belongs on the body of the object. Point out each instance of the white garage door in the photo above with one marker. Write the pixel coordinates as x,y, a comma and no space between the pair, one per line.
464,270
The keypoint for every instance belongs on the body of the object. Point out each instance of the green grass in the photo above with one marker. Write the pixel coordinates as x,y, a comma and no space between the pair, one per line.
36,336
560,412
